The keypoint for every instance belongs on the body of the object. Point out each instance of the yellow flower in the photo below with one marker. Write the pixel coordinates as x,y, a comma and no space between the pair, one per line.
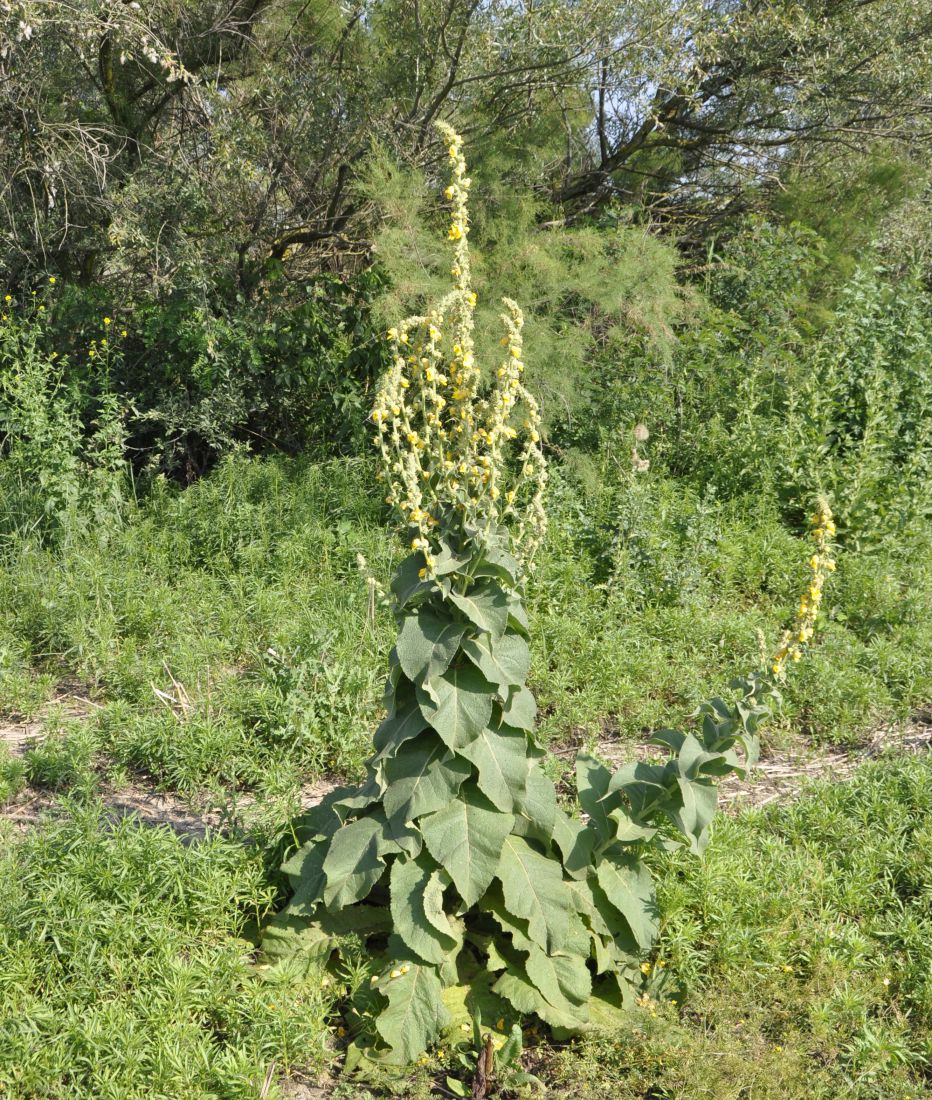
8,297
645,968
455,233
123,332
52,280
108,321
449,193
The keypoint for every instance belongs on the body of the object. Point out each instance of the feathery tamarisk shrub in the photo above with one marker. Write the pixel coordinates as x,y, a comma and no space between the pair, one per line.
454,862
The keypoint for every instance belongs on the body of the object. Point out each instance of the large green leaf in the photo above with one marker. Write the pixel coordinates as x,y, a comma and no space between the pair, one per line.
504,662
353,864
485,605
458,705
540,803
592,782
404,722
534,889
694,816
520,709
466,839
407,583
630,889
438,881
517,988
409,883
305,869
415,1014
422,777
502,764
427,643
563,979
576,843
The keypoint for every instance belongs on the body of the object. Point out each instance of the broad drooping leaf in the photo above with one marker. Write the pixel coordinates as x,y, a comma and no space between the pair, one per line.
504,662
520,709
592,782
502,764
458,705
415,1014
534,889
466,840
485,605
405,721
423,776
628,886
540,802
305,869
517,987
575,842
563,979
421,932
694,817
353,864
427,643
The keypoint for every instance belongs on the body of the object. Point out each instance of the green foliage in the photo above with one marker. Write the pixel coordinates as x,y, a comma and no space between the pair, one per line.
62,463
802,941
458,830
130,978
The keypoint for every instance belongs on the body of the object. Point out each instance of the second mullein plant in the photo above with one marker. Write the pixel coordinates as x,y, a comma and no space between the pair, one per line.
455,863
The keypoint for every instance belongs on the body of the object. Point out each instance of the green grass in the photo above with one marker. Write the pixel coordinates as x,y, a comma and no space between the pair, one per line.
804,943
244,589
122,973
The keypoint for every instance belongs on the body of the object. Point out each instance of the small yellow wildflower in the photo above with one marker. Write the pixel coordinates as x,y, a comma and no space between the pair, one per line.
52,280
123,332
108,321
8,297
645,967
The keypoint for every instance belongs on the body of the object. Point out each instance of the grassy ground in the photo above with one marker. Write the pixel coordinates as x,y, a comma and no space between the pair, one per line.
231,650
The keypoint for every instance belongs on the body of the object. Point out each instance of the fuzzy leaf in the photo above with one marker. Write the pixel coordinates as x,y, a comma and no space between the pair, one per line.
540,803
353,864
521,709
516,987
415,1014
563,979
405,721
466,839
502,764
534,889
461,706
427,644
305,869
406,583
485,605
592,783
575,842
630,889
422,777
695,815
409,882
504,662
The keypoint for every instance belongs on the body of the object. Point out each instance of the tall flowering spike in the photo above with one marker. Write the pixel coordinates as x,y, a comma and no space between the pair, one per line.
445,433
821,564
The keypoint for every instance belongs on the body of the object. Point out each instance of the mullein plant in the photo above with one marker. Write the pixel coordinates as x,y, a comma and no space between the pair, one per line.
454,863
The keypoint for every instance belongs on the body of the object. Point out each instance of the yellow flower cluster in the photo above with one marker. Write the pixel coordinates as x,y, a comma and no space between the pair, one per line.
821,564
443,433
